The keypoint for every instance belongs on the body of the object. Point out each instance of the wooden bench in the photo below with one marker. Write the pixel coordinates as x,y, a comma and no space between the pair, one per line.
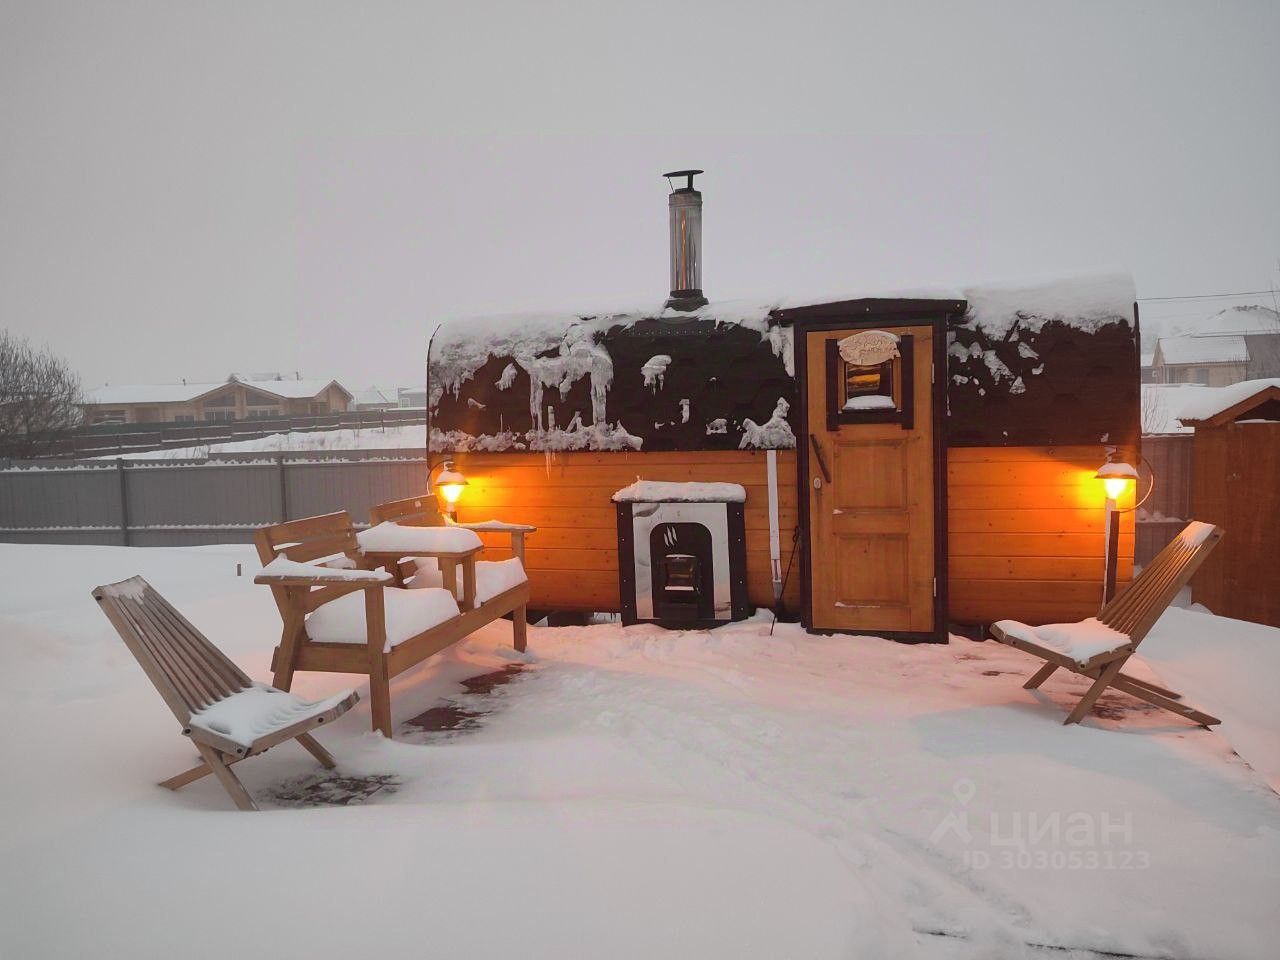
381,634
1098,648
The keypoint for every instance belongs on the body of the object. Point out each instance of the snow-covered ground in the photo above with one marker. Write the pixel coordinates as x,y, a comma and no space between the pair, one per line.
635,793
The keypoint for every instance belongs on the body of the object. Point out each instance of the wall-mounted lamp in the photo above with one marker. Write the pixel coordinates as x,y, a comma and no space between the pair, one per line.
1118,476
448,486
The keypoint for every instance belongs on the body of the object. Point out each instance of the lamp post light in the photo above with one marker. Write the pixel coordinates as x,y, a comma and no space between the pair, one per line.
1117,477
448,487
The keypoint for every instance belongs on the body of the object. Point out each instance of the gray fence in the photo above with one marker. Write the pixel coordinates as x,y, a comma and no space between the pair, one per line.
151,503
120,438
1168,508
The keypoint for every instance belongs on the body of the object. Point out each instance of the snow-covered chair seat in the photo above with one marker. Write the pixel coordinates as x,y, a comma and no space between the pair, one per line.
1098,647
227,716
492,577
259,711
407,613
1080,641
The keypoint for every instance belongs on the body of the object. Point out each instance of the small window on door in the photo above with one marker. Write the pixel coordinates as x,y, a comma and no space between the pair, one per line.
876,390
868,387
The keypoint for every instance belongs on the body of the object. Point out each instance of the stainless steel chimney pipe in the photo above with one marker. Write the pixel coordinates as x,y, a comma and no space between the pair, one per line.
684,206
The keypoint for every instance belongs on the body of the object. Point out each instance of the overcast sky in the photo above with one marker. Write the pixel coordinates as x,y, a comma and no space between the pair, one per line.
188,190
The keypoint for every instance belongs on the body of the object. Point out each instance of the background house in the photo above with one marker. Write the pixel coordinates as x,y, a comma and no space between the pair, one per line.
1239,343
233,399
413,396
375,398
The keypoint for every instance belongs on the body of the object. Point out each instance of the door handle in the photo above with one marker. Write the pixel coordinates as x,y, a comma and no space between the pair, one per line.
822,463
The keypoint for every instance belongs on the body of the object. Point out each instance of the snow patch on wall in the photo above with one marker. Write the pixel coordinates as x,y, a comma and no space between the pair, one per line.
774,433
654,370
577,358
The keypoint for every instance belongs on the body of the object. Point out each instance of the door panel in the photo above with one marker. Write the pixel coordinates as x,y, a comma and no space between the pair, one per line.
872,537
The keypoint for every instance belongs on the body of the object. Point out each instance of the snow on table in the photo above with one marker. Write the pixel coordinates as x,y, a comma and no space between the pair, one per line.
665,491
390,537
284,567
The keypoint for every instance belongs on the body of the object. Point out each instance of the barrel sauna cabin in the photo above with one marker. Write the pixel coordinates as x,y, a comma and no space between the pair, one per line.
932,458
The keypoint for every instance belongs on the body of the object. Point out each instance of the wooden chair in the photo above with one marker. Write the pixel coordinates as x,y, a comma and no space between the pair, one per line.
382,634
227,716
423,512
1099,648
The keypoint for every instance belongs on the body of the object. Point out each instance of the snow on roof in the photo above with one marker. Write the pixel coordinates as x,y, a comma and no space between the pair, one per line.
1163,404
1086,303
462,345
376,395
184,392
1203,349
1250,319
145,393
294,389
1216,400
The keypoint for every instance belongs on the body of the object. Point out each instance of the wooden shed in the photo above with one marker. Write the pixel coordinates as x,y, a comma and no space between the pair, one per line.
908,462
1236,484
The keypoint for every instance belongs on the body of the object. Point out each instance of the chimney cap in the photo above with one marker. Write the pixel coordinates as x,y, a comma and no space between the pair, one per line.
683,173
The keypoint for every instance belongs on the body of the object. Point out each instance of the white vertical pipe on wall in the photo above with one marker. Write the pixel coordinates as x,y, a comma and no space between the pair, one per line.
775,547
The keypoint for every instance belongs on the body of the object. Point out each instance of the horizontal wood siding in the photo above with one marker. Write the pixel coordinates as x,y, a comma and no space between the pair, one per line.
573,558
1025,528
1025,524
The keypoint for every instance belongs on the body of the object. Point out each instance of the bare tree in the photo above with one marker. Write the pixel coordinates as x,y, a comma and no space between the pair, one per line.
39,396
1155,418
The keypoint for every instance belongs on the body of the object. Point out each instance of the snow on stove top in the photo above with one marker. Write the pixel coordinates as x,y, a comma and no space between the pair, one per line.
661,491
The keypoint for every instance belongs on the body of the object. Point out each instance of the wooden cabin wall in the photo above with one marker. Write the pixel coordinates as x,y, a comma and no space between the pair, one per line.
1025,530
1024,524
572,560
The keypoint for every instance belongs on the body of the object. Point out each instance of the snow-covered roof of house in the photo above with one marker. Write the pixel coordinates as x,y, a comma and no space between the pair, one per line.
185,392
376,395
1218,400
294,389
1216,348
1250,319
1163,404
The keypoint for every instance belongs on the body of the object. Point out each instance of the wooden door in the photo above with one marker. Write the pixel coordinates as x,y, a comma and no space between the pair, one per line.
871,420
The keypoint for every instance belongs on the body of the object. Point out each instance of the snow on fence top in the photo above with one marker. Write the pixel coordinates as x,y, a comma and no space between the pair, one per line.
663,491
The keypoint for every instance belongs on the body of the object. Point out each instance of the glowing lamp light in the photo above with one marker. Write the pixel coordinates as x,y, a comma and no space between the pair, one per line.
450,483
1116,476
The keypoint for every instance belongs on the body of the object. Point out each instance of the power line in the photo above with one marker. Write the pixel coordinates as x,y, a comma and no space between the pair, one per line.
1212,296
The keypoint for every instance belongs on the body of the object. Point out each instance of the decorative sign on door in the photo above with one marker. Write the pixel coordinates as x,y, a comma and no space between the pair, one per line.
868,348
